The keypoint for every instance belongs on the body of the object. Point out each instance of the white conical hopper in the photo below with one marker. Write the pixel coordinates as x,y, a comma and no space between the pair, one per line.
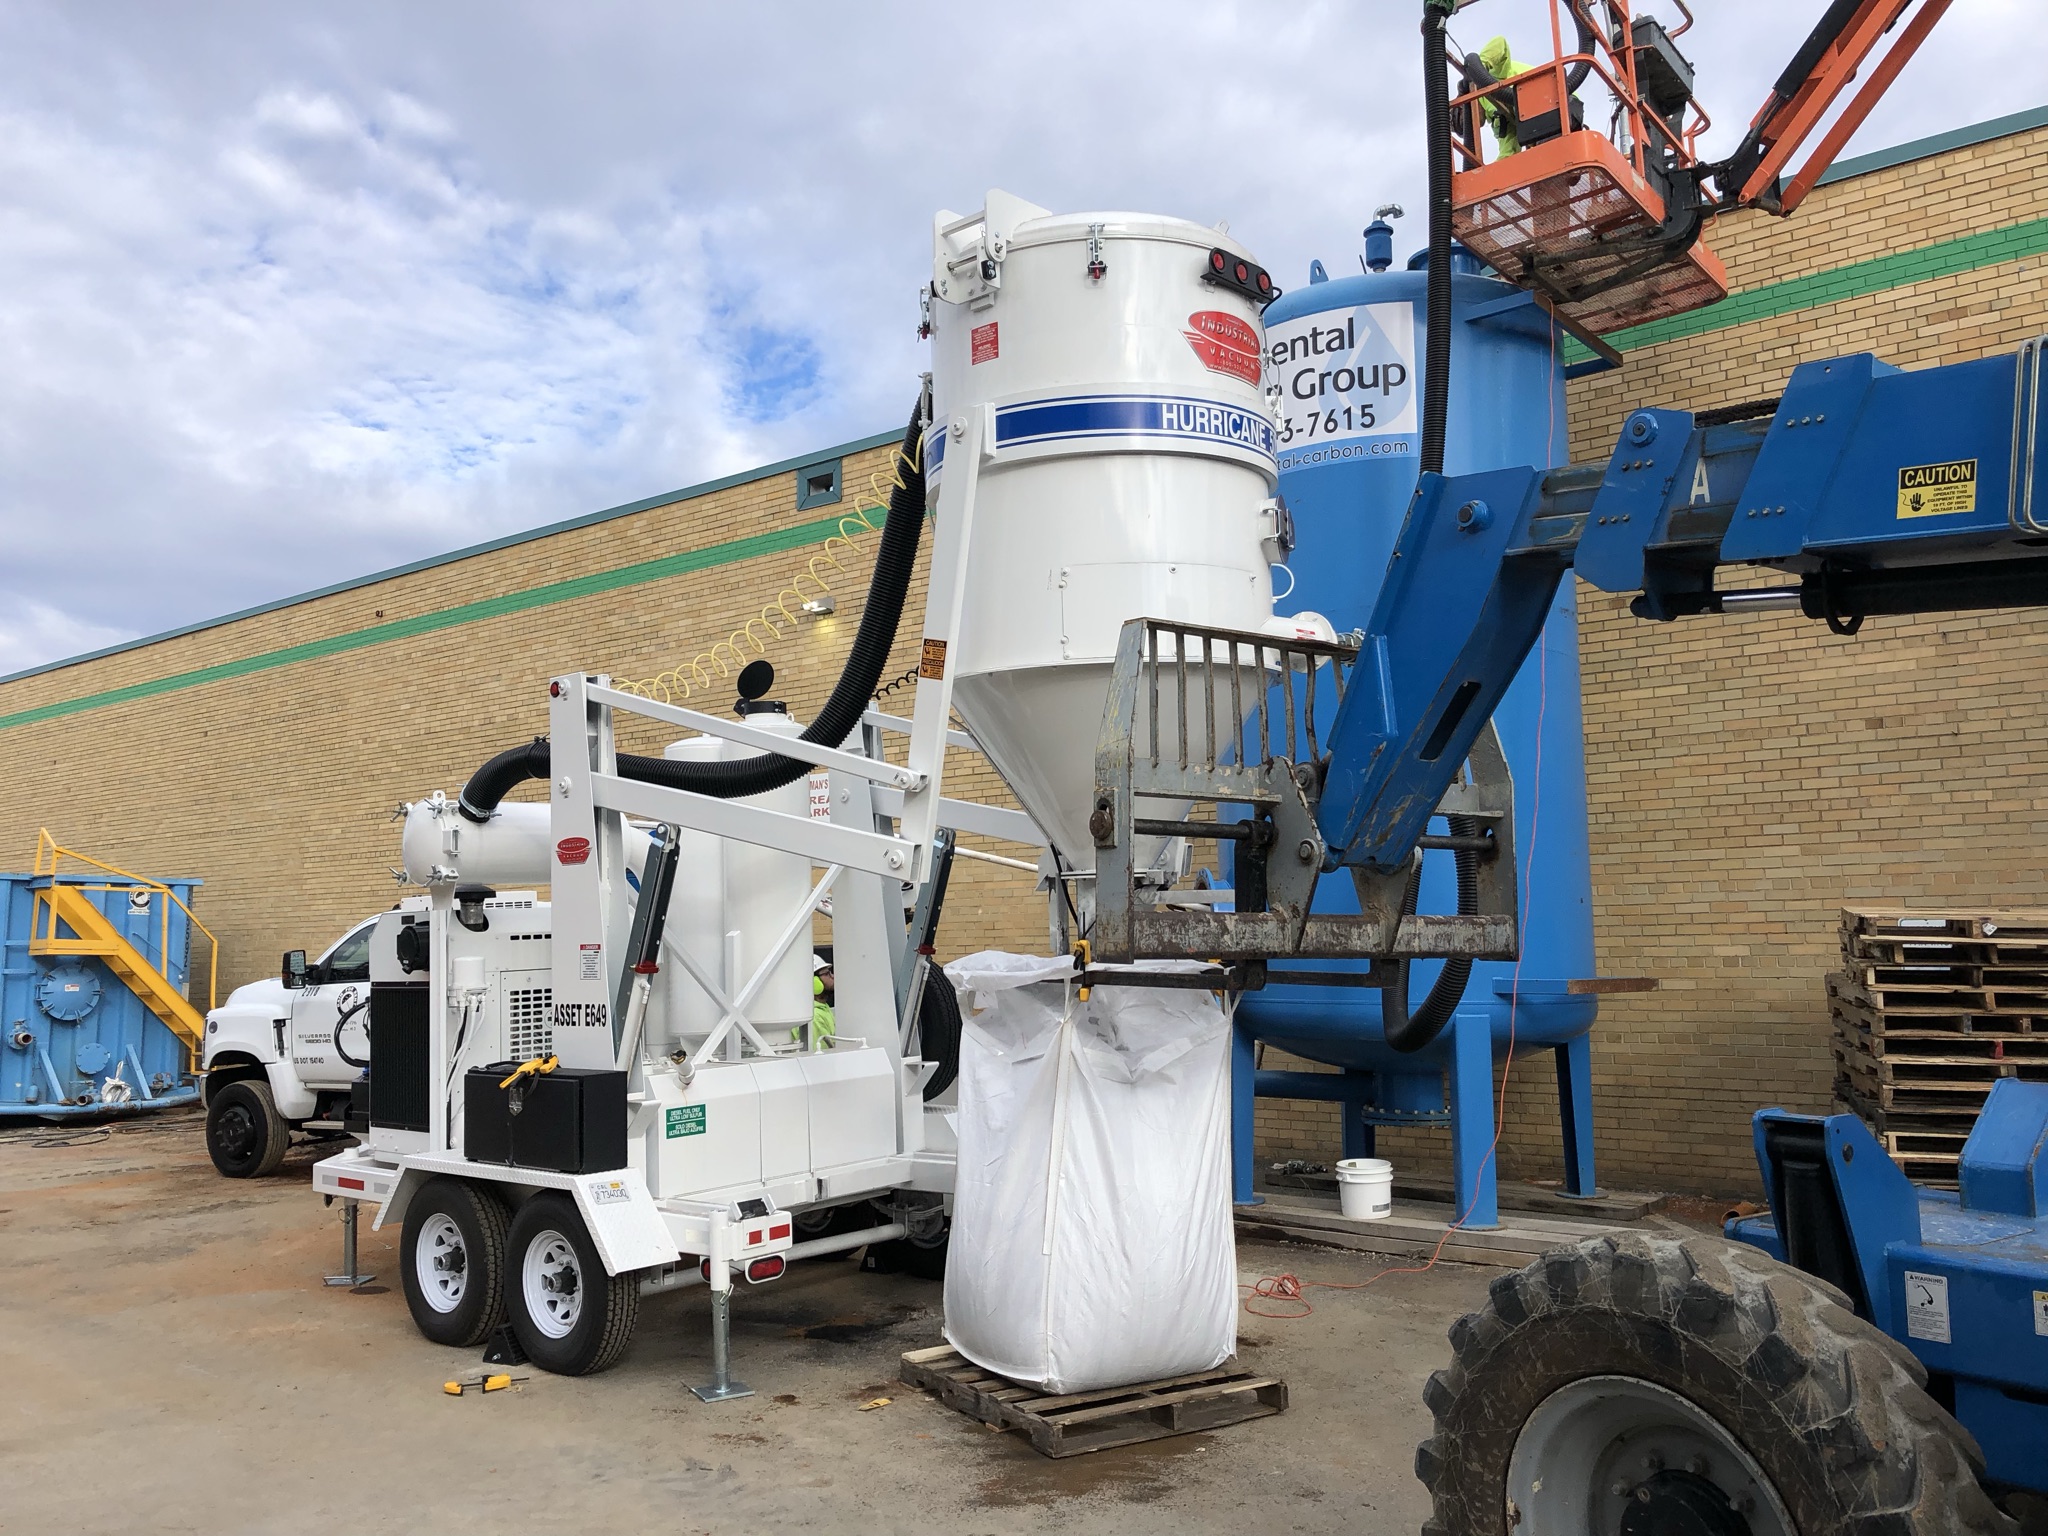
1132,478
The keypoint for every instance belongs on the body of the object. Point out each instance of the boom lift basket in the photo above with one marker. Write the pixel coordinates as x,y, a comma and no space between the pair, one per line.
1594,224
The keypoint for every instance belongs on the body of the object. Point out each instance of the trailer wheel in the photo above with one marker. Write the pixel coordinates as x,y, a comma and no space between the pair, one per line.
1637,1385
569,1315
245,1135
452,1257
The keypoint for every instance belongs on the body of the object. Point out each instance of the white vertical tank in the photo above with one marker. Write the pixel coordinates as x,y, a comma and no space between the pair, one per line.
679,1009
1133,473
763,888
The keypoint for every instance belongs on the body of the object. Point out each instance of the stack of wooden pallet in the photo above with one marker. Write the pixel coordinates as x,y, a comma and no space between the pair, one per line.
1930,1009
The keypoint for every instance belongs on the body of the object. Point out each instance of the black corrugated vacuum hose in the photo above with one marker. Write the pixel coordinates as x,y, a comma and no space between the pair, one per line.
1436,367
734,780
1407,1031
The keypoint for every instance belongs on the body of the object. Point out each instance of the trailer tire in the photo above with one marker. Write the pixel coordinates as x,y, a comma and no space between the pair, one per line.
1699,1384
451,1256
569,1316
245,1135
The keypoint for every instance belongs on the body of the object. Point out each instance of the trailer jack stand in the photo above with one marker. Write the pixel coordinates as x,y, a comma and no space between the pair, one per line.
349,1275
721,1386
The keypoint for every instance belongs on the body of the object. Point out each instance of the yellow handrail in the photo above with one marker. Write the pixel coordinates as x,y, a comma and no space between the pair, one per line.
49,851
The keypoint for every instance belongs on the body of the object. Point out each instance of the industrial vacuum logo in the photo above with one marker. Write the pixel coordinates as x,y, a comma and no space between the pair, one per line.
573,850
1224,343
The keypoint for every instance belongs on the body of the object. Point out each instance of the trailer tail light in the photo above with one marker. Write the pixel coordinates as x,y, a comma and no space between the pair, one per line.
770,1268
1246,277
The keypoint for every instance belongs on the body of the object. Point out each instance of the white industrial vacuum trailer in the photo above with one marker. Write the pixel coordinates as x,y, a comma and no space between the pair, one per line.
579,1101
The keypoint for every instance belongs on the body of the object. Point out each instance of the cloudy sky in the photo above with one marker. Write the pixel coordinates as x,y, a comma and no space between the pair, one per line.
294,292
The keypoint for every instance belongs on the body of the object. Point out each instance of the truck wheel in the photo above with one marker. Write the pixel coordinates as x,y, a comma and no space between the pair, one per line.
1643,1385
245,1135
569,1315
452,1257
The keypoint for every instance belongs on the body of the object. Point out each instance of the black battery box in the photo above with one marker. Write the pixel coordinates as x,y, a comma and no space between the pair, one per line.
570,1120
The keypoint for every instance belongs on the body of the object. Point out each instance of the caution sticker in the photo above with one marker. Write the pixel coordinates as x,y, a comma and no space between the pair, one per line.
1938,490
685,1120
1926,1307
2041,1313
931,661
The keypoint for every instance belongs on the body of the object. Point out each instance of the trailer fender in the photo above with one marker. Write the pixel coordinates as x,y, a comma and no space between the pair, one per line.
624,1221
393,1208
621,1216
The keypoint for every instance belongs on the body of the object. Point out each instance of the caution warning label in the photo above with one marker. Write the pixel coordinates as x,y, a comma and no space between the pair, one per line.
1938,490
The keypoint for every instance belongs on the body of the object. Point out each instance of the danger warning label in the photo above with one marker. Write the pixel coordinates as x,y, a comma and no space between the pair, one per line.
984,344
1938,490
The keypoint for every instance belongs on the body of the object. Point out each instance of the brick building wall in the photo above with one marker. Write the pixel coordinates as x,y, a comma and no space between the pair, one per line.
1747,776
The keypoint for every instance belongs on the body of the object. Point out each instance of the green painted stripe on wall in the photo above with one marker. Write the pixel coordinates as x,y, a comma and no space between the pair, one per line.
1857,280
637,574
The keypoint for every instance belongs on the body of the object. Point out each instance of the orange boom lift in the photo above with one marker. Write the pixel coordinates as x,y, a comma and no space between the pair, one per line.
1603,224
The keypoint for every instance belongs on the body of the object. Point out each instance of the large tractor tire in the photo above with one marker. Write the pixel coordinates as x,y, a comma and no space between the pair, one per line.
1640,1385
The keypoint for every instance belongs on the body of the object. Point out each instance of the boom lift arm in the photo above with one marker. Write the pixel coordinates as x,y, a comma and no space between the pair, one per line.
1878,491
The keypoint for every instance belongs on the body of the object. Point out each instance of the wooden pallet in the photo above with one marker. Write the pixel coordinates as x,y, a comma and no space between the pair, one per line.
1880,1026
1078,1422
1866,949
1943,1000
1949,923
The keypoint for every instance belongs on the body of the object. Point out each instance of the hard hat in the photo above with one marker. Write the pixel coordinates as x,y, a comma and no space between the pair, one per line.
819,963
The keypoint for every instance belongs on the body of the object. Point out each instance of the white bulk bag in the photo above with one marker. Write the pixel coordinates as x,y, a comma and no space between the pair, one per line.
1092,1243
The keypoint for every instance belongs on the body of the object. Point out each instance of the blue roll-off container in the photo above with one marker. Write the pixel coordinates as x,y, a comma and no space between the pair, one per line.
70,1023
1348,485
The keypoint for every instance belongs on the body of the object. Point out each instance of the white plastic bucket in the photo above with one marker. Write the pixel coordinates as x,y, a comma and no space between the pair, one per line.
1365,1185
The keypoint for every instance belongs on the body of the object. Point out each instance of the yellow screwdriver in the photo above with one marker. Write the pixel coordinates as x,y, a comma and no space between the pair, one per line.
486,1383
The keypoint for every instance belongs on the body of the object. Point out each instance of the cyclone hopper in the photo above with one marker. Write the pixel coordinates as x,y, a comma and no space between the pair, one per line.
1127,471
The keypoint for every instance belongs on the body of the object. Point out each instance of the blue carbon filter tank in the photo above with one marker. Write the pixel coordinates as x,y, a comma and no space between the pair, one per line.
1345,356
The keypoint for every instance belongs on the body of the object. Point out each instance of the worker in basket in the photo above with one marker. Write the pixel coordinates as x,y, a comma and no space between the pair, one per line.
822,1026
1492,63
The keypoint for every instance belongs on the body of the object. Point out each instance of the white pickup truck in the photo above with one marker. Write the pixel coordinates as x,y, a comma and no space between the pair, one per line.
286,1054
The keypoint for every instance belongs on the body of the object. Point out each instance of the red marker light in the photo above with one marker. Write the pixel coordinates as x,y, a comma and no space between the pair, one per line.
777,1232
754,1237
1244,273
769,1268
554,690
1265,283
349,1183
1216,260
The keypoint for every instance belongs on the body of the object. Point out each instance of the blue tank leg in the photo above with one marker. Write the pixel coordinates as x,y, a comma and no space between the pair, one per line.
1242,1105
1357,1134
1474,1188
1575,1114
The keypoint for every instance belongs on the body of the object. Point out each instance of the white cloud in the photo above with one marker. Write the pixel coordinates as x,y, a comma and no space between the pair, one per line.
292,293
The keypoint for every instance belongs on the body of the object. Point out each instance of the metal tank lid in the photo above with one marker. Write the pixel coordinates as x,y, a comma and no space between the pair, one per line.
1056,228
